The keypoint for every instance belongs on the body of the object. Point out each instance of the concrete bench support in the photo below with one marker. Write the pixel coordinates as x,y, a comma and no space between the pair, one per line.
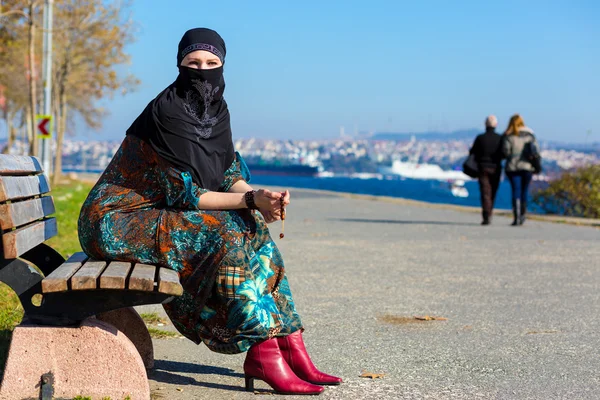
128,321
94,359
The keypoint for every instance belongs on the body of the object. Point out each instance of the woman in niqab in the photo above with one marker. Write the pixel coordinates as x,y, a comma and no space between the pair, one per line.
176,195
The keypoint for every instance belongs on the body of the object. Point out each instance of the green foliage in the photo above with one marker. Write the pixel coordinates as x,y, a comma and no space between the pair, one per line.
68,200
574,194
160,334
11,314
152,318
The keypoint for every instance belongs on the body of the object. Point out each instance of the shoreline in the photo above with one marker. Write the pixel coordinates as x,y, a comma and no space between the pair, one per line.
557,219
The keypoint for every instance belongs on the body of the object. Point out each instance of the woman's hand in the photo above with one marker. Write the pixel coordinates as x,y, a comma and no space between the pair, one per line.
269,217
269,203
286,198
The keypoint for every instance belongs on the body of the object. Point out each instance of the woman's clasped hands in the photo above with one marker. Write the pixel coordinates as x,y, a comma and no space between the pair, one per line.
270,203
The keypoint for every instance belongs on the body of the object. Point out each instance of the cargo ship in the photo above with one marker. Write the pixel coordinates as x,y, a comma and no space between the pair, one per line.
283,170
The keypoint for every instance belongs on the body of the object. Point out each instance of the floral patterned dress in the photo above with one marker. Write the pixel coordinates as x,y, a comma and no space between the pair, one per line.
144,210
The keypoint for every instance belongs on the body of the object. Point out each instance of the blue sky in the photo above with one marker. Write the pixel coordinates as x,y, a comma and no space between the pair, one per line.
303,69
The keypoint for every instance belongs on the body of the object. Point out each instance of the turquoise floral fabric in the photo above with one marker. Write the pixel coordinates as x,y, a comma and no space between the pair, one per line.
236,293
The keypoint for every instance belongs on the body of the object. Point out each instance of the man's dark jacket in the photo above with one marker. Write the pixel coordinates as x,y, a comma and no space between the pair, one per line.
488,149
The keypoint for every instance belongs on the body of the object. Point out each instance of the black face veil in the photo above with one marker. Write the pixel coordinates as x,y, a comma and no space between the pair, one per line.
188,122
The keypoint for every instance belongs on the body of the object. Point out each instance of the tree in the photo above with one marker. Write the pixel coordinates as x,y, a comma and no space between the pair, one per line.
93,36
89,40
20,15
575,193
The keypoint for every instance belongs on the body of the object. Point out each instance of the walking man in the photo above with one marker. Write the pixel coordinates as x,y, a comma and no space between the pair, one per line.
487,149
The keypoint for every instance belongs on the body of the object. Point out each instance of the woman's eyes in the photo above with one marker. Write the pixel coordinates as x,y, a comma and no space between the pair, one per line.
197,64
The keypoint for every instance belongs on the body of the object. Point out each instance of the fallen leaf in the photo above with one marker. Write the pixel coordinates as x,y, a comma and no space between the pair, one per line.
399,320
396,320
424,318
429,318
371,375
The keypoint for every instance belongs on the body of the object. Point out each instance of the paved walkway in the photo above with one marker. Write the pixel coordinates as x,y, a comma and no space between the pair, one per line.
521,306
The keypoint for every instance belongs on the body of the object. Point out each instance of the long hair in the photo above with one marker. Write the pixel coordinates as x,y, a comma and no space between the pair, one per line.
516,122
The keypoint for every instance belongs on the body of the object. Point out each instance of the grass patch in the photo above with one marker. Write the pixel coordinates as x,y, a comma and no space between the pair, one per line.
160,334
153,319
11,314
68,199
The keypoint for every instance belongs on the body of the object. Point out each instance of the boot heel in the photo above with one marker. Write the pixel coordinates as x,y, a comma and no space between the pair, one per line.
249,383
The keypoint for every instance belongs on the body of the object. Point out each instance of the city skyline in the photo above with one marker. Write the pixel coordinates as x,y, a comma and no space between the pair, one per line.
341,155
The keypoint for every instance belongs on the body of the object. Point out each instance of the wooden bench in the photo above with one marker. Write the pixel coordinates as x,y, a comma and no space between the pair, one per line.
58,293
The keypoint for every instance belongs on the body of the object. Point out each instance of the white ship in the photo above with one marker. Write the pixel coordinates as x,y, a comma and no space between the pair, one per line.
458,189
422,171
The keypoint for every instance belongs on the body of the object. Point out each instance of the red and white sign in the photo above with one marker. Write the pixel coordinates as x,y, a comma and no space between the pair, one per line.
2,99
44,126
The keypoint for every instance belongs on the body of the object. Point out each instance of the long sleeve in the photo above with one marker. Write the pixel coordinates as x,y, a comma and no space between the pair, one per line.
238,171
179,189
506,147
475,148
232,175
535,147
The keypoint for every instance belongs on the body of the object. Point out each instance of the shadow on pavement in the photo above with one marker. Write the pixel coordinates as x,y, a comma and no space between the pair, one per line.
395,221
164,372
192,368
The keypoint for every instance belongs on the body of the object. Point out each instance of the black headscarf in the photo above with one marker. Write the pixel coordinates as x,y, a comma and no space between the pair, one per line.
188,122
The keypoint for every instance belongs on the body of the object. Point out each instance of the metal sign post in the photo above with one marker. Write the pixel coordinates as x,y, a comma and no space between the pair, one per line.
45,130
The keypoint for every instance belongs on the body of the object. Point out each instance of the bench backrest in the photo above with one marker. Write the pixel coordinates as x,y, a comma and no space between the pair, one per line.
24,205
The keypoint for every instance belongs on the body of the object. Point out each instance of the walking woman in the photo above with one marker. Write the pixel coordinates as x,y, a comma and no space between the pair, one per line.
175,195
519,144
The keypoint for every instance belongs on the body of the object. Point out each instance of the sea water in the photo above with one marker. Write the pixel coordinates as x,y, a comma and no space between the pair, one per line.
423,190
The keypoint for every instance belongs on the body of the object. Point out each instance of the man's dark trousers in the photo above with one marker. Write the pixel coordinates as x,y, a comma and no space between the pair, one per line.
489,180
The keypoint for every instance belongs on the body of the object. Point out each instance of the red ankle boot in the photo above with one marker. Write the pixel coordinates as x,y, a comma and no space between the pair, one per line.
264,361
294,353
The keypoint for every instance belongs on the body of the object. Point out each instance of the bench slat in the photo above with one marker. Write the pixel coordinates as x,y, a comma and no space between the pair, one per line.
24,212
10,165
142,278
25,238
115,275
18,187
57,280
168,282
87,276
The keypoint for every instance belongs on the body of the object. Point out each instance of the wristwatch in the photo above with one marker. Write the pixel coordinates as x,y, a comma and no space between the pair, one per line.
249,199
